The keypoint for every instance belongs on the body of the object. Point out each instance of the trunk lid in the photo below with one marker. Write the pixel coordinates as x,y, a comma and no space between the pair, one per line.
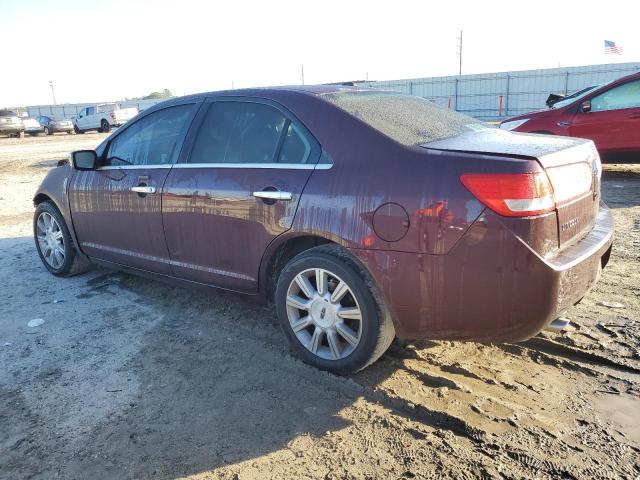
572,165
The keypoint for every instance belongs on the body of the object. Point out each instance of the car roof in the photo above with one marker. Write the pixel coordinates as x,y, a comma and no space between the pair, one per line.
310,90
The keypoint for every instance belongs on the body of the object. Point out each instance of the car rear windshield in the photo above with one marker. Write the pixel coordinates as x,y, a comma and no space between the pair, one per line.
406,119
8,113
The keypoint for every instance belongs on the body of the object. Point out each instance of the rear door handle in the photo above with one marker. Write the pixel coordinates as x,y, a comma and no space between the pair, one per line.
146,189
273,195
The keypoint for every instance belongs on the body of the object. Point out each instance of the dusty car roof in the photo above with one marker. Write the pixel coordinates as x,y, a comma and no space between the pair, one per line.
313,90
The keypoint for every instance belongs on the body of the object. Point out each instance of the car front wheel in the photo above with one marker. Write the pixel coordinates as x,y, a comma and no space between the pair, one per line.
330,311
54,243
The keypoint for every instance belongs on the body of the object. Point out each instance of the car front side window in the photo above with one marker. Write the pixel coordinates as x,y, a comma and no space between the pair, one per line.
623,96
149,141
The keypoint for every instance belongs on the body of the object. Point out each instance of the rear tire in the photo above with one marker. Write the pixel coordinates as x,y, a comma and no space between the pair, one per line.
54,244
20,135
341,326
104,126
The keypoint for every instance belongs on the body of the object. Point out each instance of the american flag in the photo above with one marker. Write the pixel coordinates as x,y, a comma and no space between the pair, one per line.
611,47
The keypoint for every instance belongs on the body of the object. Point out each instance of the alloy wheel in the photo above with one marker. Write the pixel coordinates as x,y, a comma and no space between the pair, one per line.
50,240
324,314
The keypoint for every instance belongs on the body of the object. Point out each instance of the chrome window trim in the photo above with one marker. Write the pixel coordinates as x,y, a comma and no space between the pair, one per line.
156,166
284,166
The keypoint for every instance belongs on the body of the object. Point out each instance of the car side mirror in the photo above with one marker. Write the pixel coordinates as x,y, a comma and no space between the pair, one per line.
585,106
84,159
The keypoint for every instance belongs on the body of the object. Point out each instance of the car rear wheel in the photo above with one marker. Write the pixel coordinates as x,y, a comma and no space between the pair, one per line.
331,312
20,135
104,126
54,243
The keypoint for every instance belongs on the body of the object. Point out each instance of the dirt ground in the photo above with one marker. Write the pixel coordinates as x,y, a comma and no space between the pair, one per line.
129,378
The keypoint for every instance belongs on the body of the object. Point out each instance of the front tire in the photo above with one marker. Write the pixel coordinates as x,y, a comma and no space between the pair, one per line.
47,131
77,130
54,243
331,312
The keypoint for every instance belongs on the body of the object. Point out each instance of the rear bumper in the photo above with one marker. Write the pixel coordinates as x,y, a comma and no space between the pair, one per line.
491,287
11,129
61,128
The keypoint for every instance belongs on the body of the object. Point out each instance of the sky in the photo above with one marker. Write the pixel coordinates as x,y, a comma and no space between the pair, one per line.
109,50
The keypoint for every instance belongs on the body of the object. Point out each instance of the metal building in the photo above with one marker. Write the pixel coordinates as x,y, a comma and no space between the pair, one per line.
495,96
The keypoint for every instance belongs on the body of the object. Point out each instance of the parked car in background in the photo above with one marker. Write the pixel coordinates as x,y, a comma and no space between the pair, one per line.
363,214
102,117
10,124
31,126
51,124
554,98
608,114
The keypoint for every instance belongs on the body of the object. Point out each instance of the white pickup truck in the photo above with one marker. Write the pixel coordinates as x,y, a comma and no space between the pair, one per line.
102,117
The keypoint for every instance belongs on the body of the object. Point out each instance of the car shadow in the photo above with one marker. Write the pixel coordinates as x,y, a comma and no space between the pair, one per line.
621,189
209,383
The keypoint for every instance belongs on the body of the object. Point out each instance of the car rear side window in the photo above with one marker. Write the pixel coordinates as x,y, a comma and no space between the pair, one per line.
296,147
150,140
239,132
406,119
626,95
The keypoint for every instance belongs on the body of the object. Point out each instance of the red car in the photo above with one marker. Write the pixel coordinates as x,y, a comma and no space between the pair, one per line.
608,114
362,214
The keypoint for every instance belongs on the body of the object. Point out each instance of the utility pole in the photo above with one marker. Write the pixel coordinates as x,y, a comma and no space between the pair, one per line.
302,73
460,53
53,92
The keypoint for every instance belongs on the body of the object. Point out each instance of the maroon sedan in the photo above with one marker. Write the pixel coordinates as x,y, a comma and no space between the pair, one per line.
608,114
363,214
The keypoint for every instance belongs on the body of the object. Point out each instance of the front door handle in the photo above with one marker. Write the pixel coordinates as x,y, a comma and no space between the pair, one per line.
273,195
146,189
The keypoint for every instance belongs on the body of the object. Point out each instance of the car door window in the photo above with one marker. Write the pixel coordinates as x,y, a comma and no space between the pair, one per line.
239,132
296,147
91,110
626,95
149,141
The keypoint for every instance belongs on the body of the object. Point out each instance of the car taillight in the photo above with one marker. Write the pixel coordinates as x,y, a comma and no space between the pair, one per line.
570,181
512,194
113,115
534,193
